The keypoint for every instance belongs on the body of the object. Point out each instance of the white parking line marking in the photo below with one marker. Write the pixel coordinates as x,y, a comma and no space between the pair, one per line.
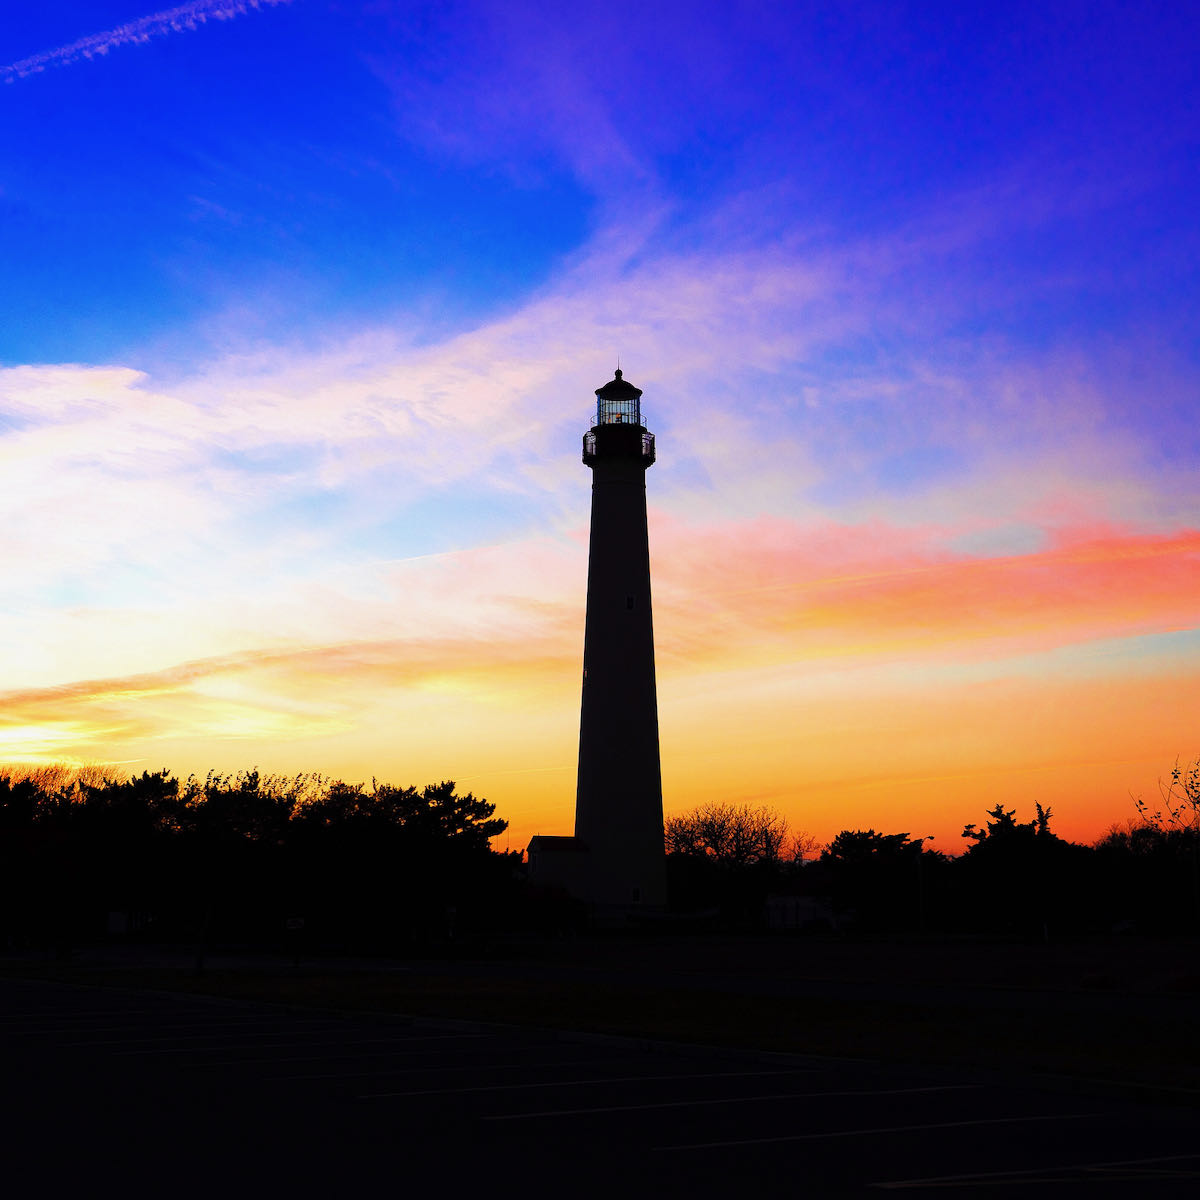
99,1014
579,1112
513,1087
1050,1174
135,1039
133,1027
439,1067
334,1054
840,1133
298,1043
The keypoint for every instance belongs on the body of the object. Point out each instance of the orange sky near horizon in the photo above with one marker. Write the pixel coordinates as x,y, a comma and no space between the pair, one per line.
850,676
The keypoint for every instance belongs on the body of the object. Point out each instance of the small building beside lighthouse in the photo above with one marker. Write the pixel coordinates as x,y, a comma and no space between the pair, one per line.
615,862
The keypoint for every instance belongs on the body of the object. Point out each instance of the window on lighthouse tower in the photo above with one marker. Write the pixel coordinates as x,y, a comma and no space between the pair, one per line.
625,411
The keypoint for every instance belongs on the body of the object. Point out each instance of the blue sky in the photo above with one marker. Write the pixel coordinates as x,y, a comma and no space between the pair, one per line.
343,159
304,303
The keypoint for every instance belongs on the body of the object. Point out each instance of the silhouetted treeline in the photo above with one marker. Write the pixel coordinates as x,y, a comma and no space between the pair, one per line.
307,864
245,859
1015,879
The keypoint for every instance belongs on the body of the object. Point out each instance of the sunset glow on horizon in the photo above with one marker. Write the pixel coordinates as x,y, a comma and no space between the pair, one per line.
305,306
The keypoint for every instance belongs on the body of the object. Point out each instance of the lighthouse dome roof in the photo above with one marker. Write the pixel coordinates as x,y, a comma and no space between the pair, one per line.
618,388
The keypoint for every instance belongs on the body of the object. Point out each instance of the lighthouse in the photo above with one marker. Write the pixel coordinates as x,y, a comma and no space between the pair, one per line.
618,798
614,864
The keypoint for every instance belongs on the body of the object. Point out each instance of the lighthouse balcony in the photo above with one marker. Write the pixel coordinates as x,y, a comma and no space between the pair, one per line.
618,441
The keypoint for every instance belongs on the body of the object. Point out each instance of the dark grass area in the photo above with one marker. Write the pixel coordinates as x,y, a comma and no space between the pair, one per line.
1120,1012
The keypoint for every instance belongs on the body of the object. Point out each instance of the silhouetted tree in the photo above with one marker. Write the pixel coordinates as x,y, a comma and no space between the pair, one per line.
727,856
733,835
883,882
1179,813
18,861
1152,864
1179,801
1021,879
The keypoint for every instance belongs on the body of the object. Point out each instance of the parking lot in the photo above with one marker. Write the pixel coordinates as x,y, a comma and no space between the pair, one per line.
175,1094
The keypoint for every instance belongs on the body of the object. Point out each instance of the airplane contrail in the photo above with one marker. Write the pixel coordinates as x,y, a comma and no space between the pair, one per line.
171,20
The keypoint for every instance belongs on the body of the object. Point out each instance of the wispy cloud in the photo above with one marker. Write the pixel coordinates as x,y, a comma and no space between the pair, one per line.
271,493
499,628
171,20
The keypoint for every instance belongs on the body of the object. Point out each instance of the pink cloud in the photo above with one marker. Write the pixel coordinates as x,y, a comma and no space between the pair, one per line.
792,589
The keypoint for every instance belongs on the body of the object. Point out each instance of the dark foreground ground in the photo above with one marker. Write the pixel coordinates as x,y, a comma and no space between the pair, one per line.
711,1067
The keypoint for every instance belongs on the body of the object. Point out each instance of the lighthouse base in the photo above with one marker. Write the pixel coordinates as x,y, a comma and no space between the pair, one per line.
570,864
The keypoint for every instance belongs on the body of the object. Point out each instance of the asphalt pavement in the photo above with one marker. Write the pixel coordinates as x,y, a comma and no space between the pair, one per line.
158,1094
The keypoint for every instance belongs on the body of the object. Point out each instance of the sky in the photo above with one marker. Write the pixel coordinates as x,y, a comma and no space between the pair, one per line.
303,307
